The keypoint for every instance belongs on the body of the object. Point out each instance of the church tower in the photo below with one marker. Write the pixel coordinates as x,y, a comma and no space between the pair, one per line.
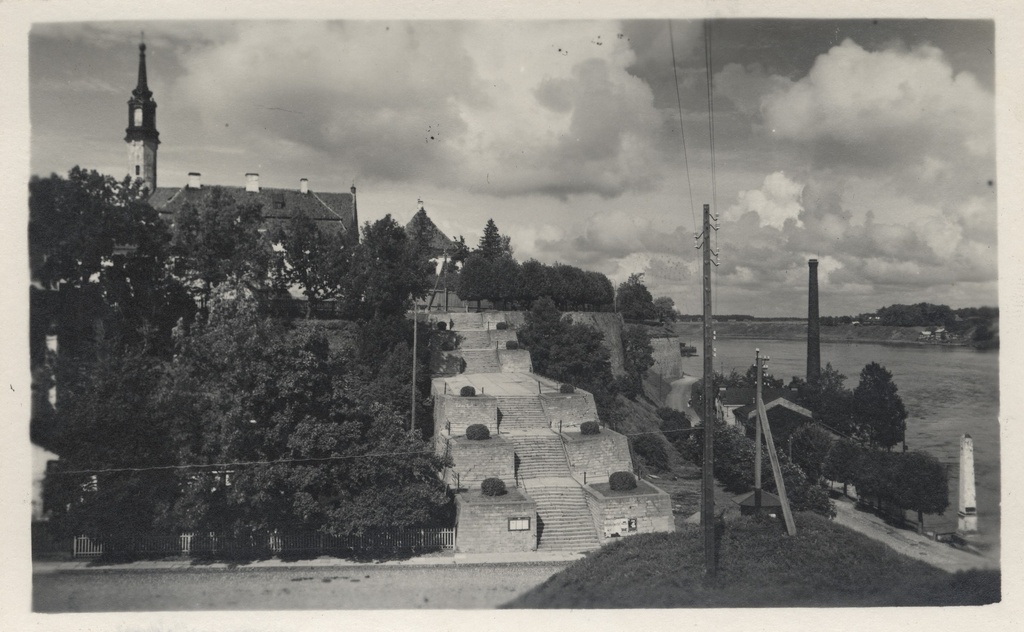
141,134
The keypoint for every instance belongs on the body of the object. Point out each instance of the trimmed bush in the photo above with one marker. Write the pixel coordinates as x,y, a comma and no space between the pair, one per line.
478,432
590,428
511,345
501,326
493,487
622,481
441,325
467,391
567,389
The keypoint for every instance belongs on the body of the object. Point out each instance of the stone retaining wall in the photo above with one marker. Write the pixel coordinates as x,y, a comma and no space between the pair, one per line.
668,363
514,360
597,455
476,460
453,413
571,410
649,510
483,523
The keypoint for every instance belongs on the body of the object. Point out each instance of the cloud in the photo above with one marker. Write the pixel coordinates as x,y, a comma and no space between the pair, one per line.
502,108
777,201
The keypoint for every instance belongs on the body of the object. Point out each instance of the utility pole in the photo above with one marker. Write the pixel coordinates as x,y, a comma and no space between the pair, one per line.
415,328
707,512
757,442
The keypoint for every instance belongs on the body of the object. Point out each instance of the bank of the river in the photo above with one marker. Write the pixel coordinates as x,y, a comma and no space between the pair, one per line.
797,330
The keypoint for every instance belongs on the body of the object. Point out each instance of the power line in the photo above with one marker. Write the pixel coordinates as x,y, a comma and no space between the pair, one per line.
682,133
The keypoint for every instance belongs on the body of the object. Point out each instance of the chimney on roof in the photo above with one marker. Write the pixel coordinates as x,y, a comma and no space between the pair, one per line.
813,329
304,185
194,180
252,182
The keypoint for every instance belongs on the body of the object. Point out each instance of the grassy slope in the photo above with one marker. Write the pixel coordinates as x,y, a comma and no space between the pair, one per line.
824,565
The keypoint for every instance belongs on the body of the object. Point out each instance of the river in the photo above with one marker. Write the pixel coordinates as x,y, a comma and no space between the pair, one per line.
948,392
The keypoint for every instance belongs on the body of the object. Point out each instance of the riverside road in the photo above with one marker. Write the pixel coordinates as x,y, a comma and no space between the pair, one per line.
285,588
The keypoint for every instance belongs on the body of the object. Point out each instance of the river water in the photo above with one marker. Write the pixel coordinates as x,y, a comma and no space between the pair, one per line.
948,392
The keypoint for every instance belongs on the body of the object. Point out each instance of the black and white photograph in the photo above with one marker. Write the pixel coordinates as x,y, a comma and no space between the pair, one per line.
679,307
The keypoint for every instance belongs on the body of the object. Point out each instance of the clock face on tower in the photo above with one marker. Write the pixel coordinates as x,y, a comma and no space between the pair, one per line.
137,117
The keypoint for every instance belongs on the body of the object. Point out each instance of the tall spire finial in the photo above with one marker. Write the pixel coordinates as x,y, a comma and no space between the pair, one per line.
142,89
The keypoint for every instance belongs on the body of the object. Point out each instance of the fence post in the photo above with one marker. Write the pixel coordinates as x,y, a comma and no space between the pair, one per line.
584,478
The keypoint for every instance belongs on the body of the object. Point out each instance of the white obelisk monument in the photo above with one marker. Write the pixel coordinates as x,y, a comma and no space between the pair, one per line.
968,514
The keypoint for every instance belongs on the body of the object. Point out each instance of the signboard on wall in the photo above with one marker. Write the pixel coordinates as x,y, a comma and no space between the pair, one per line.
617,527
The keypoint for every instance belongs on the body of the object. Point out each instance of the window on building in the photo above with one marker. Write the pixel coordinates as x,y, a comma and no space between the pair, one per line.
137,169
519,524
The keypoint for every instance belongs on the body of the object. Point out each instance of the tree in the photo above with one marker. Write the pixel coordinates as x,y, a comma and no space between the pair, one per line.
923,485
106,424
634,300
810,447
387,273
316,260
492,243
216,239
876,476
880,415
665,308
637,358
321,449
842,463
829,400
99,243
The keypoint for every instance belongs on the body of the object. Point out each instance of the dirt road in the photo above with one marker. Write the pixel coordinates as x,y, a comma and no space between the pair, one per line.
353,587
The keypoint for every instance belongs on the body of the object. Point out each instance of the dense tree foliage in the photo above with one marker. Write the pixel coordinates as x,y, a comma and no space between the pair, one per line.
316,260
634,300
923,485
276,430
880,415
829,400
387,272
666,309
842,463
810,446
569,352
637,358
218,239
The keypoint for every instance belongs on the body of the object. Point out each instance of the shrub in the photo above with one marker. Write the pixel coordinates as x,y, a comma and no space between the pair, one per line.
441,325
501,326
477,432
590,428
511,344
568,389
622,481
467,391
493,487
651,449
447,346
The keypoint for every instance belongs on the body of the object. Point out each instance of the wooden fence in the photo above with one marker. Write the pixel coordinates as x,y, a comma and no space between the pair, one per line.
198,544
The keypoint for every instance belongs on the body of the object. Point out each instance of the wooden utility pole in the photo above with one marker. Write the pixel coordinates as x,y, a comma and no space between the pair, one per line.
415,328
780,484
757,440
707,512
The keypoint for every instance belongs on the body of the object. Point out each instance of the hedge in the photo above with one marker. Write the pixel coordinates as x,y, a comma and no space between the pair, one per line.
590,428
622,481
477,432
567,389
501,326
441,325
511,344
493,487
467,391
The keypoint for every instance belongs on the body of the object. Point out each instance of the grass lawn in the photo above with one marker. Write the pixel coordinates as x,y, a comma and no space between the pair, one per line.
824,565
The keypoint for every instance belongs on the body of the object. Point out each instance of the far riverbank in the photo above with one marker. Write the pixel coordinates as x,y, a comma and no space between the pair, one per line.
692,333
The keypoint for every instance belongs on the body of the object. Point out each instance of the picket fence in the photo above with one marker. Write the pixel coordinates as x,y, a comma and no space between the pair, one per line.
192,544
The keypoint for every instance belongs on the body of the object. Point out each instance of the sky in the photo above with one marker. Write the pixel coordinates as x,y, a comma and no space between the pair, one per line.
867,144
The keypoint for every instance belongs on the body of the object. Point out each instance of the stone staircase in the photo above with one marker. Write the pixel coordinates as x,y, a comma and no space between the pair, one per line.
540,456
522,413
481,361
475,339
466,320
564,520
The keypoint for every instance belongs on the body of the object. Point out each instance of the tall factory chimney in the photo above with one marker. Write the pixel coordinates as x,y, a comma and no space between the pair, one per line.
813,327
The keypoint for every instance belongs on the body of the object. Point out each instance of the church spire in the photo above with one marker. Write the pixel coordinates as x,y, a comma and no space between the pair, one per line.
141,135
141,90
